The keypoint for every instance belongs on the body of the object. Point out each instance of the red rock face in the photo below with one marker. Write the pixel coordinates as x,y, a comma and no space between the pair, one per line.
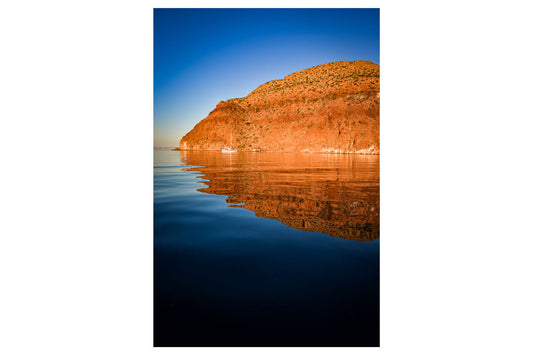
332,108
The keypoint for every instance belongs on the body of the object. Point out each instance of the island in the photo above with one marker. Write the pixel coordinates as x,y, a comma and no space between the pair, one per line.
329,108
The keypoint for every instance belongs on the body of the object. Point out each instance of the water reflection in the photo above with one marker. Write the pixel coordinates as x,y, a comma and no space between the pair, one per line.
336,194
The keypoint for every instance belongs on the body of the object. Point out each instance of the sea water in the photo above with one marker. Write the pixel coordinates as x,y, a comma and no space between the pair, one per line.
265,249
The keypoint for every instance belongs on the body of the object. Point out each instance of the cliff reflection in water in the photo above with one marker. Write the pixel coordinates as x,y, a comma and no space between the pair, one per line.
336,194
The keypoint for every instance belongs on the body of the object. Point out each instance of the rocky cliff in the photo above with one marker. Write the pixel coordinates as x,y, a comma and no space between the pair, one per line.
332,107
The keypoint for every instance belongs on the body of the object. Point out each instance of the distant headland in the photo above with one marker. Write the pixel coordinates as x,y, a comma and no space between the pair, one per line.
329,108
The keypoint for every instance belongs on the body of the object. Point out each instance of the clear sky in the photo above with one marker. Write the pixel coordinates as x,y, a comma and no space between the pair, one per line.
204,56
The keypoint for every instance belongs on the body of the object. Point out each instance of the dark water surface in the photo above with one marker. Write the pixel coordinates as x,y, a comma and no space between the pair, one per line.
304,274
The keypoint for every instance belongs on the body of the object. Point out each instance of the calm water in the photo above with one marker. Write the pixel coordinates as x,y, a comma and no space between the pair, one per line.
266,249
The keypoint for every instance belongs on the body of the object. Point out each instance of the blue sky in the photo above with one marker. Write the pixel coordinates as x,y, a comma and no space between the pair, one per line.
204,56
